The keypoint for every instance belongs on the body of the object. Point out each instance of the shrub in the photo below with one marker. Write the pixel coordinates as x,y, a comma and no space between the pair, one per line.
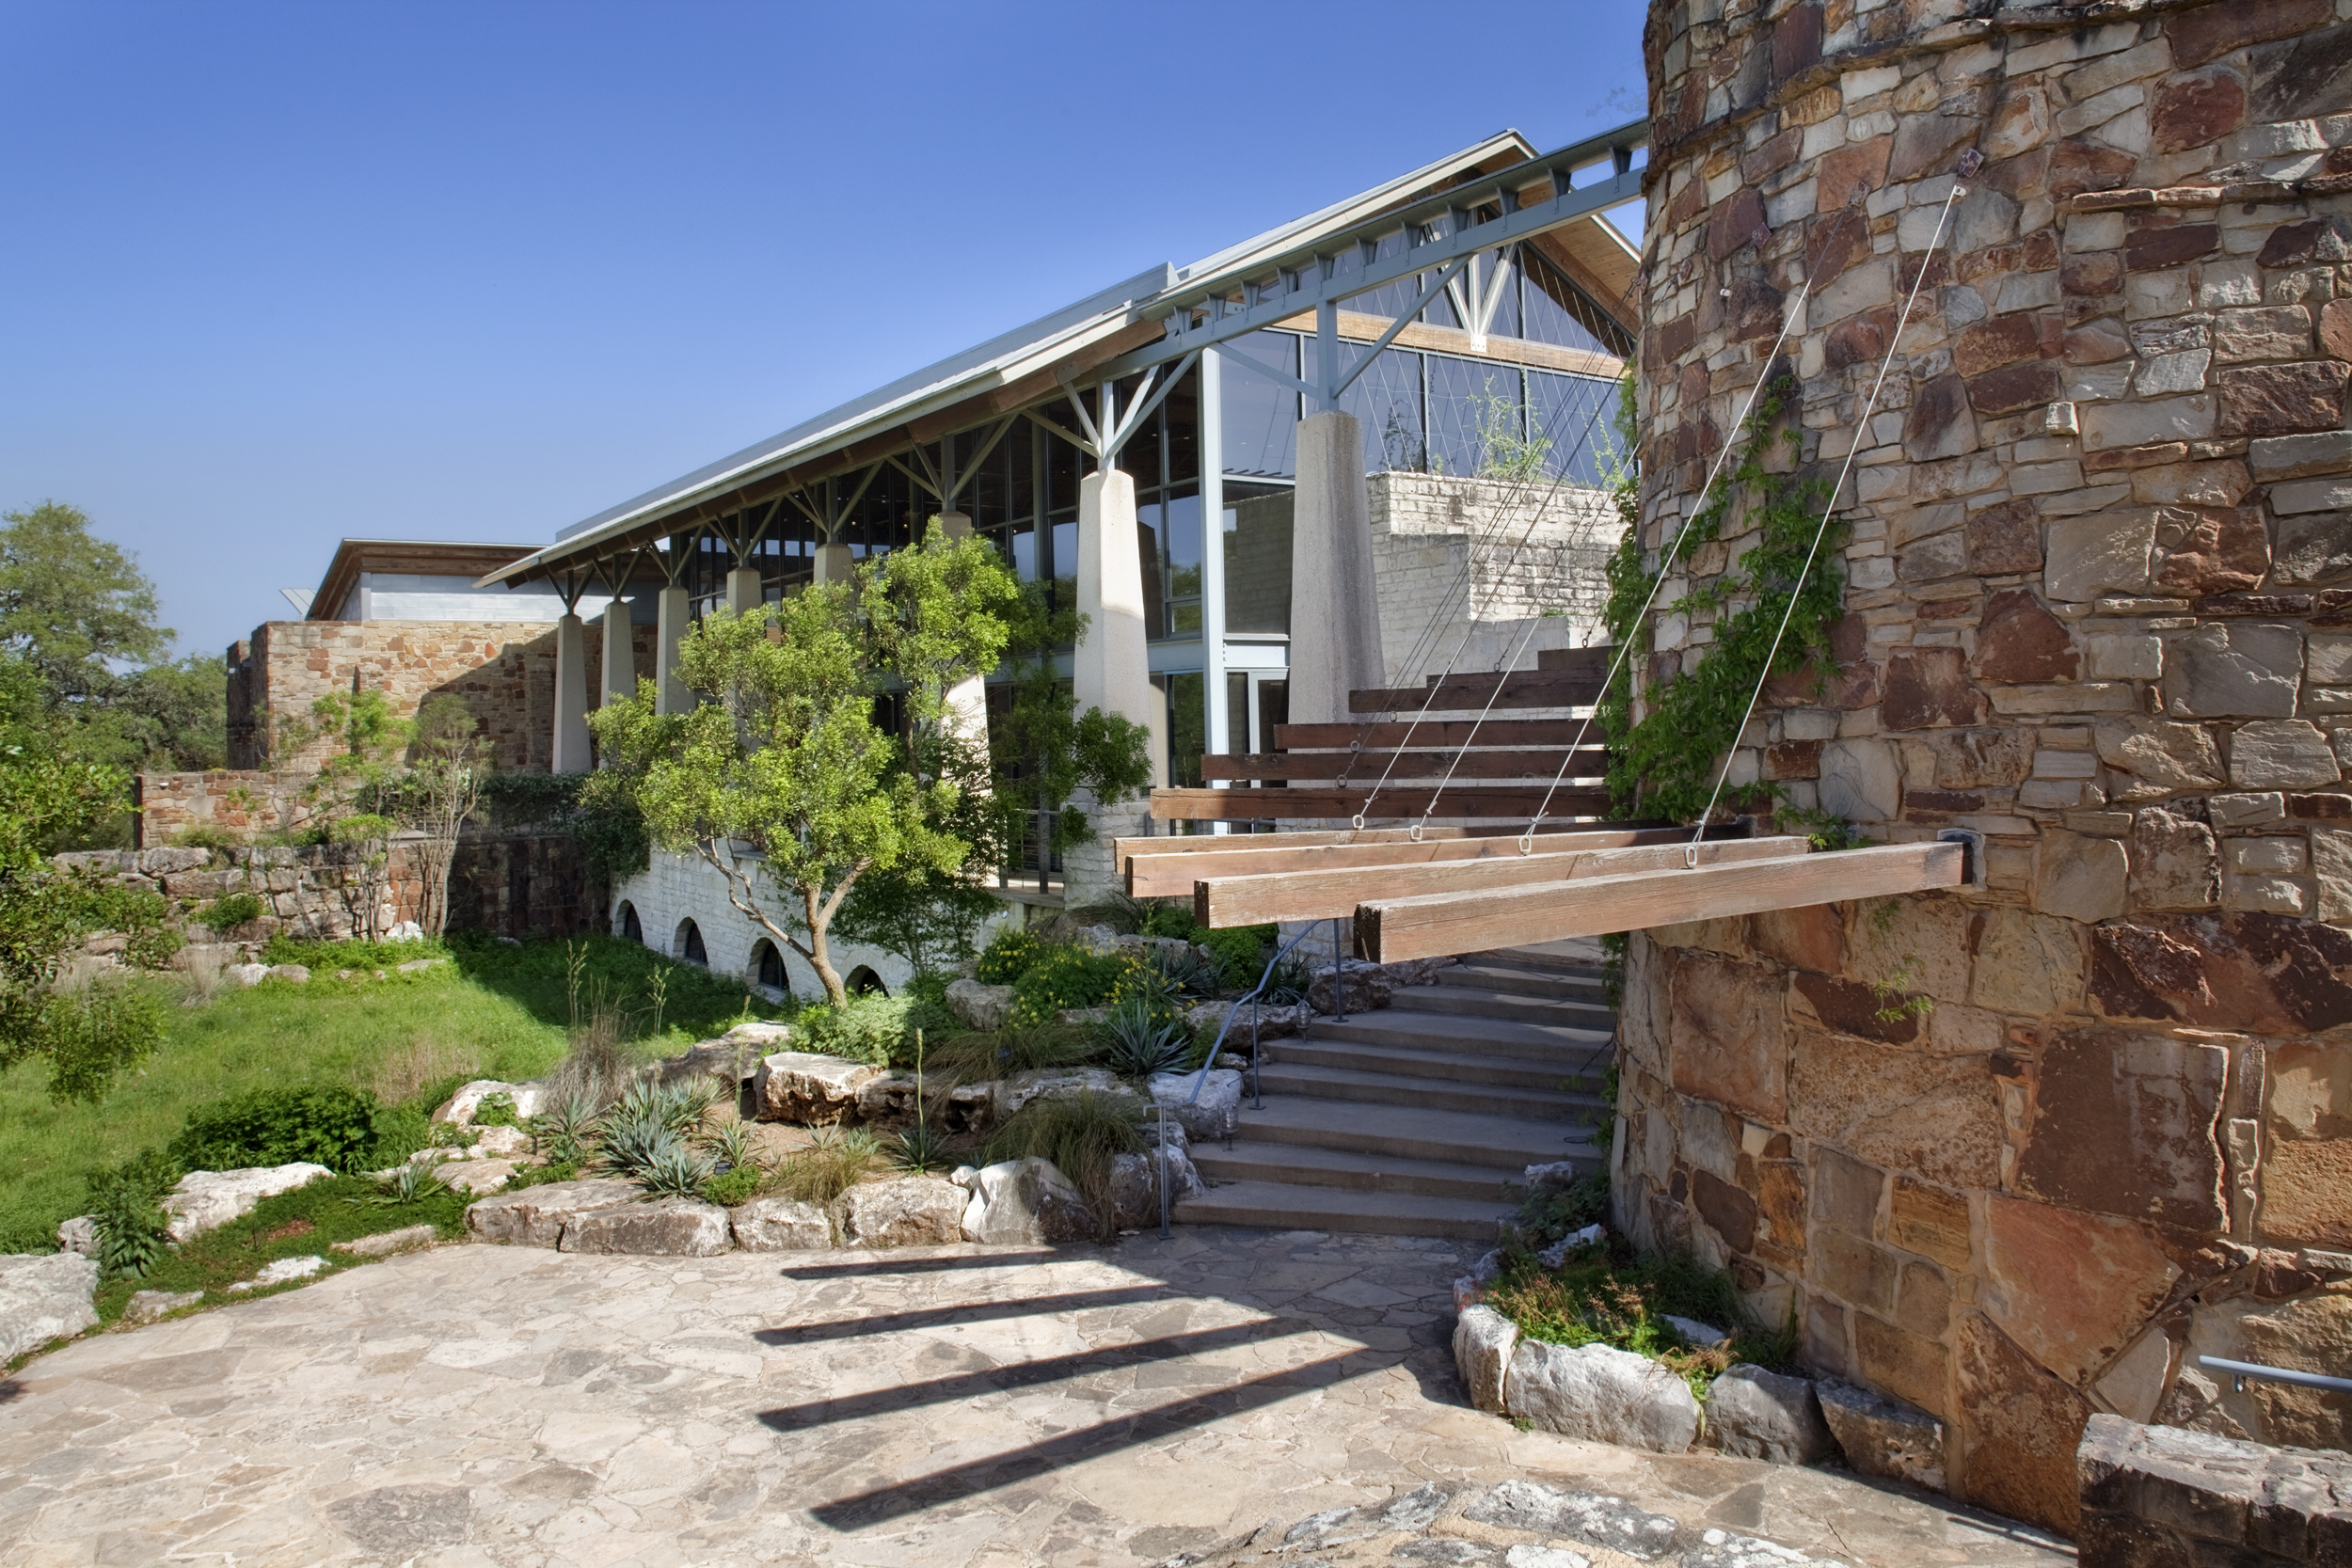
497,1110
1009,957
1240,950
323,1125
1081,1134
921,1148
836,1160
1595,1299
1062,978
864,1029
1016,1048
674,1171
400,1132
204,836
230,910
736,1142
397,1189
739,1185
630,1144
126,1201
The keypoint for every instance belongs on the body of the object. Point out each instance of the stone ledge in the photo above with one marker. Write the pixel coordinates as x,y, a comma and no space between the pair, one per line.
2163,1495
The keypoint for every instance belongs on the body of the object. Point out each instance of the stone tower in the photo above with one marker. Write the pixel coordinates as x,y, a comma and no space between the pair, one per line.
2097,608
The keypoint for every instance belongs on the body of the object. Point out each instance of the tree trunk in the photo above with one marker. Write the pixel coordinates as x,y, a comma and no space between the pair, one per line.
819,950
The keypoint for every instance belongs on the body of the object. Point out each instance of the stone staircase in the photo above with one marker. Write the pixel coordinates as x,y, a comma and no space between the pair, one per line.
1408,1120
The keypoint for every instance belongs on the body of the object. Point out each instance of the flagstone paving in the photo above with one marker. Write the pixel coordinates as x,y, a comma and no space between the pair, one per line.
1200,1400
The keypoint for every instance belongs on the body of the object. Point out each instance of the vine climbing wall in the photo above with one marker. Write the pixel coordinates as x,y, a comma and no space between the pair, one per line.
2019,1153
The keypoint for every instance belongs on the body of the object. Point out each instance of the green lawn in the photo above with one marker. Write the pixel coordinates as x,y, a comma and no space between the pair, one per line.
492,1011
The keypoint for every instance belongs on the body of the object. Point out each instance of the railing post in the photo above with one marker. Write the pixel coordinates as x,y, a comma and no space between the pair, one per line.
1339,981
1165,1232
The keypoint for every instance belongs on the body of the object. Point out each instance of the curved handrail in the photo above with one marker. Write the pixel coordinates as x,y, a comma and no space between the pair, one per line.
1201,1077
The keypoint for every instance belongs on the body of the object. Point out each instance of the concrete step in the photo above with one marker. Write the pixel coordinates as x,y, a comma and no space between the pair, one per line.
1507,1143
1522,982
1252,1160
1568,1047
1576,955
1285,1077
1283,1206
1462,1001
1517,1072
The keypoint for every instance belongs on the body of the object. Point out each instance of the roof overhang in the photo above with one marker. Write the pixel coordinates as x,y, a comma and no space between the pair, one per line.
1116,330
424,556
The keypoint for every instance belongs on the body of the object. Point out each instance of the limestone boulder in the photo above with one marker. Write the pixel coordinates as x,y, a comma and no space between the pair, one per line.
760,1034
208,1199
780,1225
1056,1082
667,1227
146,1306
1600,1394
499,1142
79,1234
44,1296
1484,1340
476,1177
383,1243
1269,1022
530,1099
912,1211
245,974
536,1216
1026,1200
1362,987
1755,1413
980,1007
810,1090
1882,1438
1212,1112
1135,1185
285,1271
727,1062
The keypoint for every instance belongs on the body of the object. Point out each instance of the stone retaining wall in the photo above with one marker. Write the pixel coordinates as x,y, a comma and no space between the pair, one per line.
2099,610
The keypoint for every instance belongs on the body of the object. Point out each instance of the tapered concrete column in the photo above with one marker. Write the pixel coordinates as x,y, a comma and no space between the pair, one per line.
570,753
674,609
1111,669
1335,603
620,655
744,591
968,701
834,564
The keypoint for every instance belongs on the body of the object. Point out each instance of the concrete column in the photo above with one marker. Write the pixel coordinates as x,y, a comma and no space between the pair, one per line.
674,609
744,591
968,701
834,564
1111,669
1335,606
620,654
570,753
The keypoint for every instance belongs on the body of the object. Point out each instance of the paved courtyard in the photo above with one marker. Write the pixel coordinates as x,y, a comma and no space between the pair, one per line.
939,1407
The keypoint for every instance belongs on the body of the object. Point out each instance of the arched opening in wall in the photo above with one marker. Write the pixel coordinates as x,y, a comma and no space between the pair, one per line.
625,923
768,968
863,981
687,946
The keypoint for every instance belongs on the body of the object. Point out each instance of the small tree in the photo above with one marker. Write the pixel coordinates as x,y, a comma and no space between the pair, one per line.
343,801
449,763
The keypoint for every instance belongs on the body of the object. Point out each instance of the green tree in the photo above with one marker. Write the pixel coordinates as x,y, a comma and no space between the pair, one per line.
88,1034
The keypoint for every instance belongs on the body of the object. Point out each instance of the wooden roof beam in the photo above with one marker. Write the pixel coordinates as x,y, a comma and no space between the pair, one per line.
1166,876
1388,930
1457,801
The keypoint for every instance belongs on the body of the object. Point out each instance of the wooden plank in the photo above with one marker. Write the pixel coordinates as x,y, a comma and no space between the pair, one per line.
1392,930
1366,768
1126,849
1260,900
1469,694
1434,732
1162,875
1393,804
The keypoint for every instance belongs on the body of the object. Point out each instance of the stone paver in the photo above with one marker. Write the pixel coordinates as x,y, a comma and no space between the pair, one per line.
991,1407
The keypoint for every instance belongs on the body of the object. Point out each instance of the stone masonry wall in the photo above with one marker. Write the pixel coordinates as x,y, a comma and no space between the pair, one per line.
2099,610
504,670
1535,550
2154,1496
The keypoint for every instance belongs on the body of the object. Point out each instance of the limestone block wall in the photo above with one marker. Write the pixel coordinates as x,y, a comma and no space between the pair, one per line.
2099,609
1534,552
675,889
504,670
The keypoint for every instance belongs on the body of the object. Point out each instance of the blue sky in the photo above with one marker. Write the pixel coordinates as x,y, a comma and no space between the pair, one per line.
278,273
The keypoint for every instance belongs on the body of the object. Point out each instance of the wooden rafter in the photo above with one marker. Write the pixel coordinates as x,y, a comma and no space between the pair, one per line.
1173,876
1470,693
1265,805
1258,900
1388,930
1367,766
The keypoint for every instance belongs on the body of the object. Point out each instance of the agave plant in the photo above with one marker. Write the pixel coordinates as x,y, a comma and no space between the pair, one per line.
564,1130
674,1170
630,1143
410,1184
1138,1042
917,1150
680,1106
736,1144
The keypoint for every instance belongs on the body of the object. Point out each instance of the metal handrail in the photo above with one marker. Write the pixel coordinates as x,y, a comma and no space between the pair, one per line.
1339,1000
2240,1371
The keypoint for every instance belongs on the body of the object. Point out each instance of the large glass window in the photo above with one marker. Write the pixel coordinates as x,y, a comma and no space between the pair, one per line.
1574,413
1257,535
1474,413
1386,400
1261,413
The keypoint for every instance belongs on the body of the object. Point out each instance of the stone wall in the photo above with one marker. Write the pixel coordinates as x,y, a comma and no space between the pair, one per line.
517,885
2098,609
2153,1496
1534,551
242,802
504,670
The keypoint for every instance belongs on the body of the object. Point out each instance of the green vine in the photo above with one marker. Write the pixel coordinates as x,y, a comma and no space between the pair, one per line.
1664,765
